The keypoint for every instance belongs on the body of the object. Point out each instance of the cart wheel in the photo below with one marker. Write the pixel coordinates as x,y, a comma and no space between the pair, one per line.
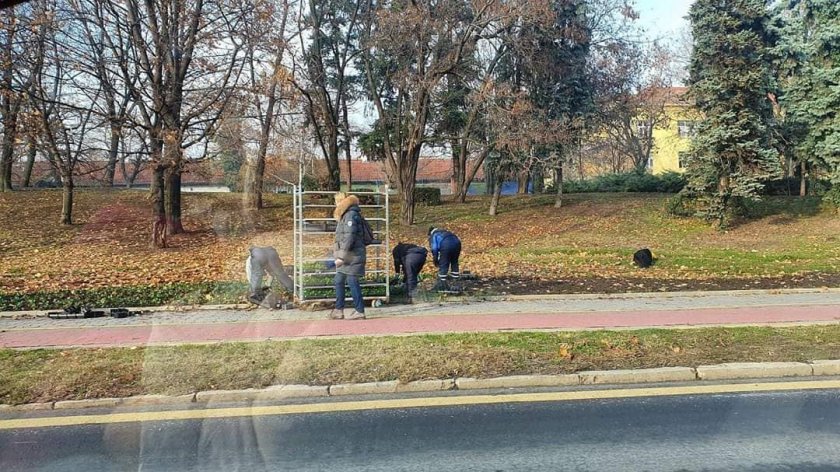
376,303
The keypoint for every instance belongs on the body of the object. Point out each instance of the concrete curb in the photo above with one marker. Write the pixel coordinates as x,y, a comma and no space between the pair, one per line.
754,370
730,371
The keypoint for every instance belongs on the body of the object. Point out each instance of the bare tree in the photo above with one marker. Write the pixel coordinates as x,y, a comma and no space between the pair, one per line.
633,86
100,62
328,32
16,32
265,48
180,59
63,98
408,47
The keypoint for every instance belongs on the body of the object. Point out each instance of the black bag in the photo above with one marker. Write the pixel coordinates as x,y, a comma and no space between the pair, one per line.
367,234
643,258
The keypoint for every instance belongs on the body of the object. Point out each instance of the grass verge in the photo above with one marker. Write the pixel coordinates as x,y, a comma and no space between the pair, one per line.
51,375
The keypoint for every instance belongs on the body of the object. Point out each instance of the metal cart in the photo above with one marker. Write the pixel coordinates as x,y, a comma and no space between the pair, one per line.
314,230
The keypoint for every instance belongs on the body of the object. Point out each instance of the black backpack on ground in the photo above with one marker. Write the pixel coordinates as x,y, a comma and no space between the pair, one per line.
643,258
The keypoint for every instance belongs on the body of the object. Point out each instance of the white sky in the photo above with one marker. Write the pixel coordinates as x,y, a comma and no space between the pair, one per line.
662,18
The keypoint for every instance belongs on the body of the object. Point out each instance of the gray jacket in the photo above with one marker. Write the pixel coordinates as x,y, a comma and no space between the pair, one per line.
349,237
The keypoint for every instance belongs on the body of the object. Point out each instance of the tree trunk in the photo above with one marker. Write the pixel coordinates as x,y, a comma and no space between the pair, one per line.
7,156
173,201
67,200
538,181
31,153
522,183
559,182
349,170
254,183
489,181
113,153
803,182
158,206
334,179
408,182
346,124
497,193
457,179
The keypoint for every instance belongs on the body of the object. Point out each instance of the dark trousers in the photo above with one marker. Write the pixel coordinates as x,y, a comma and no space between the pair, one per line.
412,266
355,291
450,251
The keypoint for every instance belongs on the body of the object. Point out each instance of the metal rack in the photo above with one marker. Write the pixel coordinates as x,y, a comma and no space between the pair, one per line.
314,230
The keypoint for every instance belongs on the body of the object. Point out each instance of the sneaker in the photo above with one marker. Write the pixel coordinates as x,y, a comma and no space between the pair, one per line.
355,316
337,314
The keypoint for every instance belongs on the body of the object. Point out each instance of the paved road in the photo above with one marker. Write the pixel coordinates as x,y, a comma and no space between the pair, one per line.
562,314
794,431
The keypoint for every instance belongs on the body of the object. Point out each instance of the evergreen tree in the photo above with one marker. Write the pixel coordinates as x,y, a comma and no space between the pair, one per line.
734,152
809,52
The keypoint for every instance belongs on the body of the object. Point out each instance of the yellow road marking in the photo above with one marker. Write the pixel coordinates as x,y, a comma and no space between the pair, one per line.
335,407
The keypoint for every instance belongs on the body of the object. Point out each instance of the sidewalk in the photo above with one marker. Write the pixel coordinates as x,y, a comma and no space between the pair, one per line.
557,313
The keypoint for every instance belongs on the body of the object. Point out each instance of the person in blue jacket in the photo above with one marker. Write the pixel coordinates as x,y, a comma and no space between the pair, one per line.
446,250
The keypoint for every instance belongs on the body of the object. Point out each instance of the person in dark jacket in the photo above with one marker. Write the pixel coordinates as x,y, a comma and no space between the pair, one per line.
350,255
409,260
446,250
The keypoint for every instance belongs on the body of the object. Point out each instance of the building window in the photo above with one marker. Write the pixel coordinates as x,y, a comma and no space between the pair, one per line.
682,160
643,128
686,128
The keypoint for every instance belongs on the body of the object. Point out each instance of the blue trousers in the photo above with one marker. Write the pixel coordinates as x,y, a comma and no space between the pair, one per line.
355,291
412,266
450,251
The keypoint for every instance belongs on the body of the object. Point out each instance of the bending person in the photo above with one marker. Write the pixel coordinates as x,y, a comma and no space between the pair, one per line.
261,261
446,250
409,260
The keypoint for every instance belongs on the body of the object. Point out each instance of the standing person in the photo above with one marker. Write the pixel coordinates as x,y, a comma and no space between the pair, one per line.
262,260
409,259
350,255
446,250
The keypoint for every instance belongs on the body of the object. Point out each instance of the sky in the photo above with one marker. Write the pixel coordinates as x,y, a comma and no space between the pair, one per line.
661,18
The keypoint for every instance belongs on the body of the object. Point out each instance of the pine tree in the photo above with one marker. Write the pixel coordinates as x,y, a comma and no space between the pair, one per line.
809,52
734,152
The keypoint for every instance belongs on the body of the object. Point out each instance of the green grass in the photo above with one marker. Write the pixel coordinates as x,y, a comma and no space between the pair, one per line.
49,375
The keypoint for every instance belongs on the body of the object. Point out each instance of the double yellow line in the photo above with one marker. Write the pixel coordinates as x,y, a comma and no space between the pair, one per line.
420,402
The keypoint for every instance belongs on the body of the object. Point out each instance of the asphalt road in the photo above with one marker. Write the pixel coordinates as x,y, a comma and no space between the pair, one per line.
793,431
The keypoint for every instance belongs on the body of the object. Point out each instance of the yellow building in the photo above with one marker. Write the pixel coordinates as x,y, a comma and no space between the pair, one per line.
672,132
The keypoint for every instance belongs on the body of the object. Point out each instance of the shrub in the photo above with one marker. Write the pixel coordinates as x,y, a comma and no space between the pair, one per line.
832,197
682,205
427,196
672,182
669,182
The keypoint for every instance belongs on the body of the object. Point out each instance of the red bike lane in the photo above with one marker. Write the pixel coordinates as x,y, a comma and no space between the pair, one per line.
160,334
